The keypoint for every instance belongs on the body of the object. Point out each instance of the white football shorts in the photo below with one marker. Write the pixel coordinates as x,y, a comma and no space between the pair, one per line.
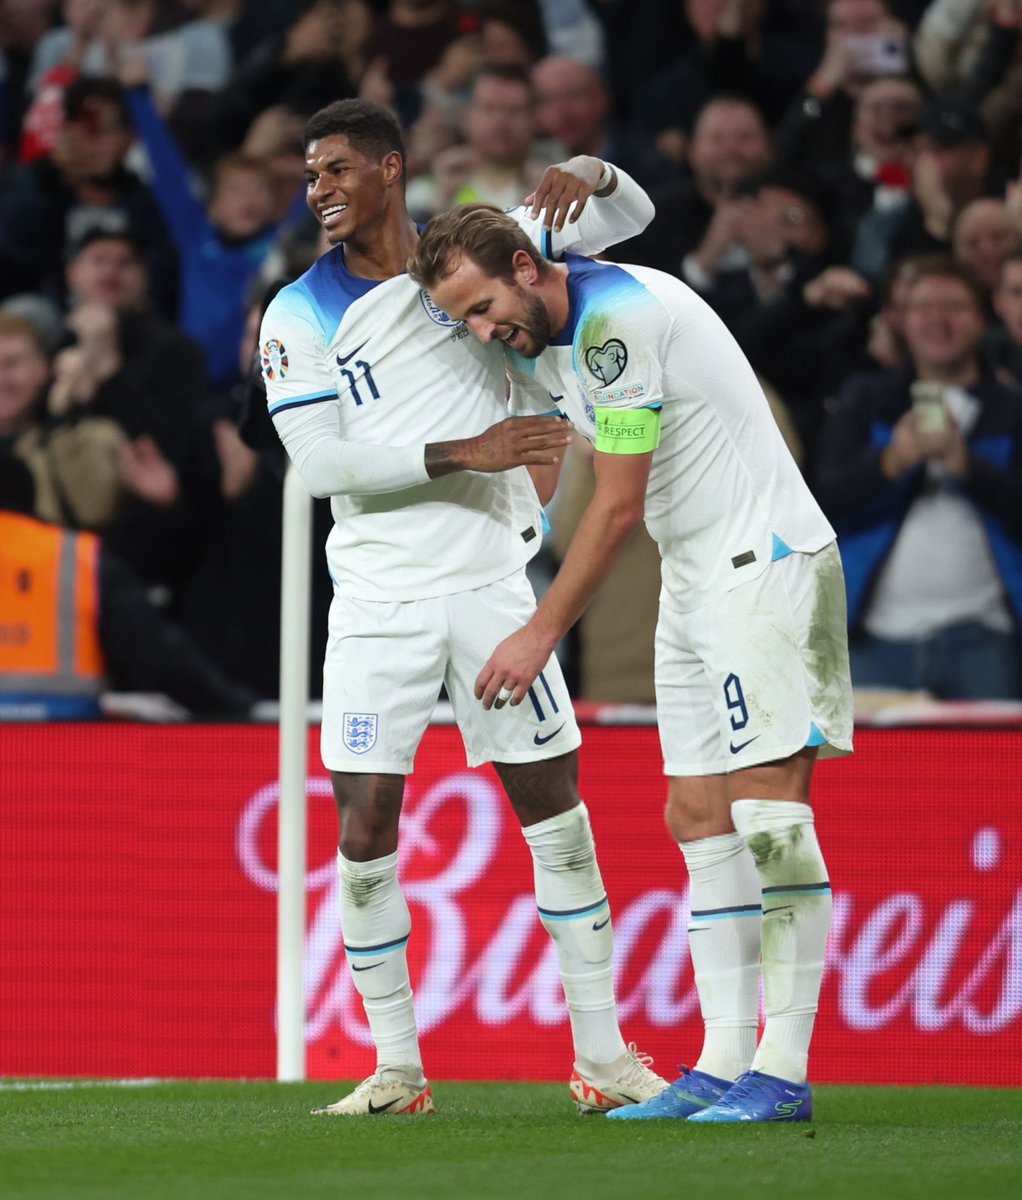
758,674
385,662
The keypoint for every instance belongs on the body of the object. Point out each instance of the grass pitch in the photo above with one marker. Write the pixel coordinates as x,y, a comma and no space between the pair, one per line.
246,1141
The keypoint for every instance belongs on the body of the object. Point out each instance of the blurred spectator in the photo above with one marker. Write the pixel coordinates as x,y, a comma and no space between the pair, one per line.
863,40
969,49
952,165
693,234
406,41
180,54
1003,343
920,469
41,123
574,30
229,602
789,342
492,33
246,23
221,245
983,235
869,190
74,458
496,162
573,106
318,56
22,24
53,580
123,361
731,50
82,183
885,344
645,36
955,135
43,314
946,44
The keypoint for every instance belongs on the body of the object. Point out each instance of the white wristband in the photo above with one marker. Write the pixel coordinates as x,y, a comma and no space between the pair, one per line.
605,178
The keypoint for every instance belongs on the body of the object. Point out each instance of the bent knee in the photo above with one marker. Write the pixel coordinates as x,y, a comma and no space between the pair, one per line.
698,808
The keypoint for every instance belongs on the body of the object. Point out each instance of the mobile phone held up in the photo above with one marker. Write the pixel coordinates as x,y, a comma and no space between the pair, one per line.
928,405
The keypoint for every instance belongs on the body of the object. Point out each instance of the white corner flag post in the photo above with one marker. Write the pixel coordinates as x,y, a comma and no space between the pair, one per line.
295,591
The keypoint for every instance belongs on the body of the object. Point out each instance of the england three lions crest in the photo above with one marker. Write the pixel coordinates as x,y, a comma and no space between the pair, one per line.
360,731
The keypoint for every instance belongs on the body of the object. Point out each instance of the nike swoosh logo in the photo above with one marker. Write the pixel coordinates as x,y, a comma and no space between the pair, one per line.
347,358
373,1110
555,398
354,967
735,749
598,925
542,741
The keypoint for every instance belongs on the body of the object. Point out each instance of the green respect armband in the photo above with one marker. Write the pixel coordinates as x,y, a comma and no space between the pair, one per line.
627,430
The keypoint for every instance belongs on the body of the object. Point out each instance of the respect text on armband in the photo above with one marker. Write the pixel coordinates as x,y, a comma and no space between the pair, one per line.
627,431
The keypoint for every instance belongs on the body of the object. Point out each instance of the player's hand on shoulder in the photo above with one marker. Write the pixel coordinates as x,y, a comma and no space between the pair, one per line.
565,185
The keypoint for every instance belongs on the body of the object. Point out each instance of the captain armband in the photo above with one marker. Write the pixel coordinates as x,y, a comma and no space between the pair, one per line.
627,430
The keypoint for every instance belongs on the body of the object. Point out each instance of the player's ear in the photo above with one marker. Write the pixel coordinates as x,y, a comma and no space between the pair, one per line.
524,268
393,168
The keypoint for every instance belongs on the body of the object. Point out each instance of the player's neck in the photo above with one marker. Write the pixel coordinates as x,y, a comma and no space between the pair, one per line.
382,250
554,294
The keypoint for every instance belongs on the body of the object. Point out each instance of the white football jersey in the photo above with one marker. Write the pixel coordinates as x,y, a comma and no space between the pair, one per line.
725,497
377,363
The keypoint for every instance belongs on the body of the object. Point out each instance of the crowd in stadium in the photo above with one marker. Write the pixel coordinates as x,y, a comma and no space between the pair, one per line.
839,179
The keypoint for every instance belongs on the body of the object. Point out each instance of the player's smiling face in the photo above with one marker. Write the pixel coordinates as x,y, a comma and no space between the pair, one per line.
494,309
346,189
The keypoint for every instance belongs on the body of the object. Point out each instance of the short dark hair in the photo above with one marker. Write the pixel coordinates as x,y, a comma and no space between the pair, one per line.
89,87
800,183
104,233
947,266
482,233
371,128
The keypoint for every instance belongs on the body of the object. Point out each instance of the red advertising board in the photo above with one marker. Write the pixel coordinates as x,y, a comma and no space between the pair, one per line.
138,920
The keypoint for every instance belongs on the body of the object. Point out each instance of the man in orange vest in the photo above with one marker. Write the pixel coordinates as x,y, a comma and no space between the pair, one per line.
73,621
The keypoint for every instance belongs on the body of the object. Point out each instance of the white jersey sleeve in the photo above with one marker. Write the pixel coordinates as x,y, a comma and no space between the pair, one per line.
605,221
305,408
620,347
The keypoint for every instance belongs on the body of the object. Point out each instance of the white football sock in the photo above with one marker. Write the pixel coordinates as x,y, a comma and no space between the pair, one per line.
376,925
573,907
796,920
723,939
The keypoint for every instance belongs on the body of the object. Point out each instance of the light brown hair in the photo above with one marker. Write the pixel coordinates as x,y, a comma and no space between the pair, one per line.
480,232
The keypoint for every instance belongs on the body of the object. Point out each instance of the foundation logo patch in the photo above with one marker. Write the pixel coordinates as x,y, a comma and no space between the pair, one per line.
607,362
274,359
360,731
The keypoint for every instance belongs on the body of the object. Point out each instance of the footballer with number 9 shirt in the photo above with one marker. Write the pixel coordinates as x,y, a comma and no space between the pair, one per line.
388,407
751,645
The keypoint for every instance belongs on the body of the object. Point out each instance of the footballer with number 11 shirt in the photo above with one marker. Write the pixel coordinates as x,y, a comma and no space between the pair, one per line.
392,410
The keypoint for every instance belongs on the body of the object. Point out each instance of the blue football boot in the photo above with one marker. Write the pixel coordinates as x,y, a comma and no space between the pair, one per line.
692,1092
759,1097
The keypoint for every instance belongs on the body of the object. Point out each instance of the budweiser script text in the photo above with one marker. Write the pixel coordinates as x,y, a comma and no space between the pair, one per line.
939,965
